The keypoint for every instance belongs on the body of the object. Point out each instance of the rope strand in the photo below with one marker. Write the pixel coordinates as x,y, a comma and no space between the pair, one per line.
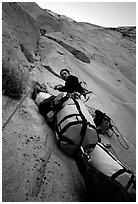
119,135
8,120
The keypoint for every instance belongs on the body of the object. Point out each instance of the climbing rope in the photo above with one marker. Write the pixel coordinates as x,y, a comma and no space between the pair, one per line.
8,120
119,135
108,146
87,93
91,110
127,103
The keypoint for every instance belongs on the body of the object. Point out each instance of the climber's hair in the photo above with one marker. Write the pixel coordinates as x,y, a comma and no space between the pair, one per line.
64,70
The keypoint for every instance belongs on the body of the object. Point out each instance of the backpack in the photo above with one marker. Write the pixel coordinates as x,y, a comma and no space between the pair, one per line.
106,178
75,127
102,122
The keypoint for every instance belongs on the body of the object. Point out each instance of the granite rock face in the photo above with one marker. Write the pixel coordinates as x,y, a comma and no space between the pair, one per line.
37,44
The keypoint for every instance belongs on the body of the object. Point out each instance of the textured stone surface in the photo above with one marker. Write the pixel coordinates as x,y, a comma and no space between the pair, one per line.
33,168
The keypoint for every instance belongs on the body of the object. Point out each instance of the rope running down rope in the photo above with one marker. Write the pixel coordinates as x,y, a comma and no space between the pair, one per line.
8,120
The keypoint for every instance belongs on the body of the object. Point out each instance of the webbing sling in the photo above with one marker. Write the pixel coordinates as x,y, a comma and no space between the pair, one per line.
85,123
69,116
131,180
70,124
118,173
58,107
66,139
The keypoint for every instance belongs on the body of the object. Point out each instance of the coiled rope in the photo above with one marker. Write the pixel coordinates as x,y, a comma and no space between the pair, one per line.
114,129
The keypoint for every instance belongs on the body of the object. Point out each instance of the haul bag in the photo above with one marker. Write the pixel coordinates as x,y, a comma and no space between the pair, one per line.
106,163
75,127
102,188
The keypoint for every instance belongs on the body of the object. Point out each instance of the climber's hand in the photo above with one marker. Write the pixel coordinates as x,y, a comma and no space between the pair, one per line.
57,87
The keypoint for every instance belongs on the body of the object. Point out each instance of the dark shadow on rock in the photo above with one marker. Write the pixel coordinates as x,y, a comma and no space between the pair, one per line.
50,70
77,53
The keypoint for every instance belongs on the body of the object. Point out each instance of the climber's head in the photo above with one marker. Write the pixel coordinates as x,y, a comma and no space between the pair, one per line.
64,73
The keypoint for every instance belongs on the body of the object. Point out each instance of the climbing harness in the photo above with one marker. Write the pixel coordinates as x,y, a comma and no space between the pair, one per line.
76,95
